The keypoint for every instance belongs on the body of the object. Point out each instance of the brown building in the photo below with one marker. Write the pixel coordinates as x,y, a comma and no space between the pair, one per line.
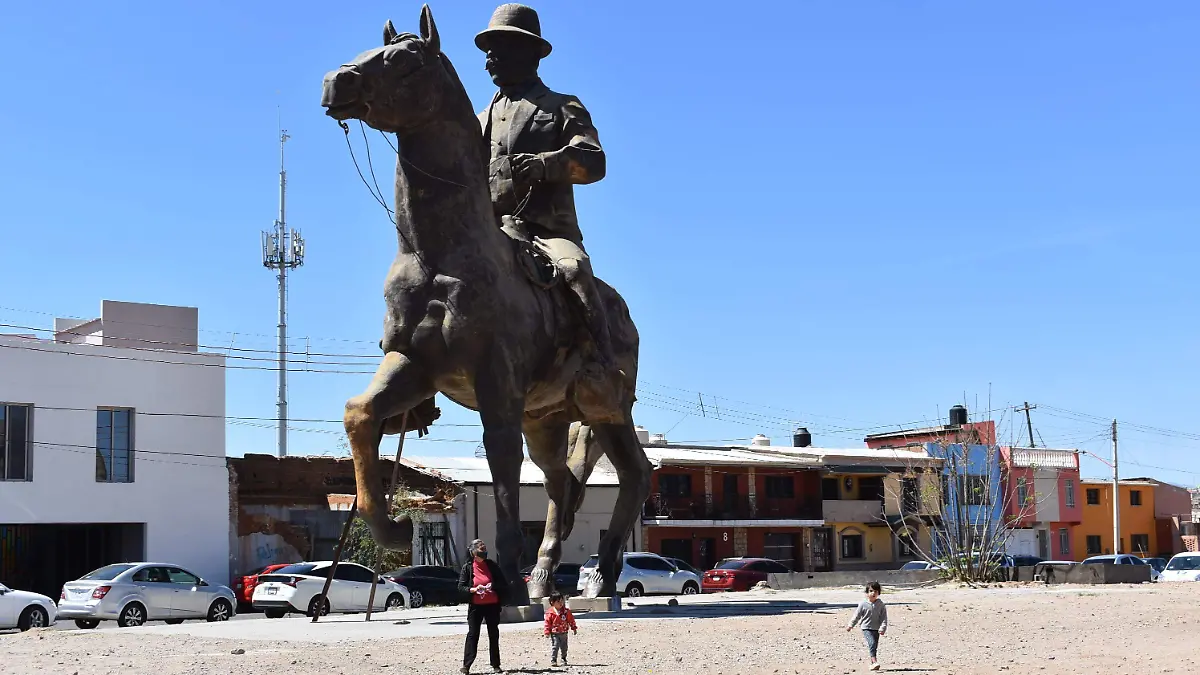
293,508
1172,515
708,503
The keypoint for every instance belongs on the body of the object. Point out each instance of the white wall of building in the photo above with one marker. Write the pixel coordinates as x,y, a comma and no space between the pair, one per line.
180,489
591,518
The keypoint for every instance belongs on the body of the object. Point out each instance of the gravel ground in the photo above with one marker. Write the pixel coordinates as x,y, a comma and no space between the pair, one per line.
1020,629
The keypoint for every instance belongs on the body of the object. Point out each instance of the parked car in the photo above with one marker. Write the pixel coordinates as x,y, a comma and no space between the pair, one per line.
1121,559
1182,567
1020,561
133,593
645,574
243,588
23,610
428,585
1159,564
919,565
740,574
566,576
684,565
297,588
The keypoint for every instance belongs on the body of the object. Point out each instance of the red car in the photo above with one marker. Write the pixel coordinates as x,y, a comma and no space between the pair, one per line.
739,574
243,588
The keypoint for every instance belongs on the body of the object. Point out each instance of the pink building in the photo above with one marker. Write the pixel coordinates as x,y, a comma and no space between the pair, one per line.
1043,500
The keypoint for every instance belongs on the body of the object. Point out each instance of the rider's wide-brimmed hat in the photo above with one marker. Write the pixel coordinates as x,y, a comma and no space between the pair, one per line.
514,18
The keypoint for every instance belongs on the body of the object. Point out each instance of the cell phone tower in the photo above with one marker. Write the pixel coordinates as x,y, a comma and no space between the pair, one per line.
282,250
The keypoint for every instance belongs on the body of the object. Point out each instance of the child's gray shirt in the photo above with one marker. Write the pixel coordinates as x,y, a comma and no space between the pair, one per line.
872,615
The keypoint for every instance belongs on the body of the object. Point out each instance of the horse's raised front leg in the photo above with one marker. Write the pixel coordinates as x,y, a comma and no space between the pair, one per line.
547,443
398,386
620,443
501,409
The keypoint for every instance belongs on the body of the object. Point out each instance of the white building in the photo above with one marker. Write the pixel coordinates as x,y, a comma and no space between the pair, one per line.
474,515
112,448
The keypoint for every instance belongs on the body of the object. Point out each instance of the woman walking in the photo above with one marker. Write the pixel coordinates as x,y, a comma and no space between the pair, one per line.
485,582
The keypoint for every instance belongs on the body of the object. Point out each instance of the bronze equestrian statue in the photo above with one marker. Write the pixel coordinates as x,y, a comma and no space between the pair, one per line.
467,317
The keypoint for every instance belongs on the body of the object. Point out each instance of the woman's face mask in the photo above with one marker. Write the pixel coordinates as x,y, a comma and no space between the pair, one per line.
481,554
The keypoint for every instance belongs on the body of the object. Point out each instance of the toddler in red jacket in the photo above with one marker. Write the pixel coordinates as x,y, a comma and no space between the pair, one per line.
559,620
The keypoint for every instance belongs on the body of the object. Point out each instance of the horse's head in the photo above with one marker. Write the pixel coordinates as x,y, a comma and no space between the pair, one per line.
394,87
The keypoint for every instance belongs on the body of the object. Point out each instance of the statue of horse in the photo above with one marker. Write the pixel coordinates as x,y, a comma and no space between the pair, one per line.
464,320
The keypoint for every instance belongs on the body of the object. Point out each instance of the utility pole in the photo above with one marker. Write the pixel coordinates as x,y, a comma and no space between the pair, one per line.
1116,495
282,252
1029,422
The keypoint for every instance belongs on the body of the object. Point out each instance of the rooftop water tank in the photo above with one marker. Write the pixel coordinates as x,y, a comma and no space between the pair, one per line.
958,416
643,436
657,439
801,438
759,439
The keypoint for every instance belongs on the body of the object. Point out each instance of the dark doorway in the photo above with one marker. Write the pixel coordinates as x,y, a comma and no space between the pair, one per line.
821,553
678,548
829,489
532,532
870,487
708,554
781,548
41,558
729,497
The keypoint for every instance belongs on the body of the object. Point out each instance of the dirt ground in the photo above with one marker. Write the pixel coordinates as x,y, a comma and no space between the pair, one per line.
1020,629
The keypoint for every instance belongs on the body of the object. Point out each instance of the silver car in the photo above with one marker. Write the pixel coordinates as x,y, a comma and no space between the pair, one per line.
644,574
133,593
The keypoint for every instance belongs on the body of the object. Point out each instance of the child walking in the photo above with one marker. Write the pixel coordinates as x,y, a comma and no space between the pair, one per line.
872,614
559,619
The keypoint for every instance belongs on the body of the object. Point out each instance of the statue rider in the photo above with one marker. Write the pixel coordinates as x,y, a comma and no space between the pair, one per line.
541,144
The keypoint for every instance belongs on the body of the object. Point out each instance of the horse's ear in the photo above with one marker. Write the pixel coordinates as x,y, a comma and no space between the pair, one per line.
389,33
429,31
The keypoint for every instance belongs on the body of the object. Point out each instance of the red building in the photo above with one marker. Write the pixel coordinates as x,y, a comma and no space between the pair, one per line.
1043,500
708,503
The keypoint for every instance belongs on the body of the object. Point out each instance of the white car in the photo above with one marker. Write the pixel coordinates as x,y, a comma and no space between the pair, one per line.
920,566
645,574
1121,559
297,588
22,610
1182,567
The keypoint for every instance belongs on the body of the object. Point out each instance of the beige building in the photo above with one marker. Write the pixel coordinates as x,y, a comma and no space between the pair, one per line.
474,513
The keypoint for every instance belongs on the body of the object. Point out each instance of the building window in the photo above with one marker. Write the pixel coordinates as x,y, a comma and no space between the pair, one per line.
974,491
15,442
781,487
114,445
1064,543
675,485
1069,493
830,490
907,547
852,546
1093,496
910,496
1140,543
1093,544
435,543
1135,497
1022,492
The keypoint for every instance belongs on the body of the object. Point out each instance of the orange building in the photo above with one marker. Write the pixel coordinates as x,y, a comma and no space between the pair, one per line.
1093,536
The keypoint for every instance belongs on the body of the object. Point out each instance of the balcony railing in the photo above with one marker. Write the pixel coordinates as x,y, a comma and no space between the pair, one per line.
733,507
852,510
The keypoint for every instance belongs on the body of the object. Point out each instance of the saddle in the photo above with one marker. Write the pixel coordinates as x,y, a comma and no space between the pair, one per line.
536,263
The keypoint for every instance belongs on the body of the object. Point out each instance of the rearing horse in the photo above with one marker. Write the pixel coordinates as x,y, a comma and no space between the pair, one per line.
463,320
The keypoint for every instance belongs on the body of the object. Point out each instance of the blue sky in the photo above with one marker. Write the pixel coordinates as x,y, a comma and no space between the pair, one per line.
849,215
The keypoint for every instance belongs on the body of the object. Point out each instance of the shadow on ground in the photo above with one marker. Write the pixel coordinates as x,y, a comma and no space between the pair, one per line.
715,610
